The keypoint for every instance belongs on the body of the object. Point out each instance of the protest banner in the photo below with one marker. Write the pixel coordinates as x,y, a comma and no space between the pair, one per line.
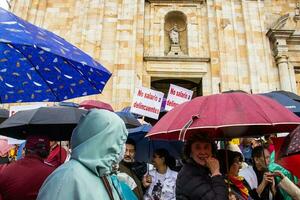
147,102
177,95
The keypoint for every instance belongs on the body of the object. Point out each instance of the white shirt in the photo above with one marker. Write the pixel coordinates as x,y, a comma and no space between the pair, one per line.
249,174
168,181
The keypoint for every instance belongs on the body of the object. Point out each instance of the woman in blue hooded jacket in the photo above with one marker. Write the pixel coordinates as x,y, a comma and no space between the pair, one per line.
97,142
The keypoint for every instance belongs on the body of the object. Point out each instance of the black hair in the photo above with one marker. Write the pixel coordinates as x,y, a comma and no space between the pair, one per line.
230,158
131,142
169,160
257,152
200,137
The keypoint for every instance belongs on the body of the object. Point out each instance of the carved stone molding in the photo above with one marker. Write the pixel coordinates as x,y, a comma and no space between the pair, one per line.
176,1
176,59
281,59
280,32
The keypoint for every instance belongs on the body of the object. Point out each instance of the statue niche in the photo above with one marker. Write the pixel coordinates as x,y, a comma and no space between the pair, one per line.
175,34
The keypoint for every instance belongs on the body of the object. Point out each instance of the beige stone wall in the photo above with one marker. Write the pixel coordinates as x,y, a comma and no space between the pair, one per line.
228,37
110,31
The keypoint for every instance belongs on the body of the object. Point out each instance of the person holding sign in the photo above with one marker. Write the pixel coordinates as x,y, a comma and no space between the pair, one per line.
160,182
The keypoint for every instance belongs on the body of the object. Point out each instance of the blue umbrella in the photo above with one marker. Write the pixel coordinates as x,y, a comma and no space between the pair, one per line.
69,104
284,100
145,147
127,110
129,119
37,65
291,95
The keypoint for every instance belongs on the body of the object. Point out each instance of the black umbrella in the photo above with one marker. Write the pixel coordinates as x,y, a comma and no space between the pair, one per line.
4,114
55,122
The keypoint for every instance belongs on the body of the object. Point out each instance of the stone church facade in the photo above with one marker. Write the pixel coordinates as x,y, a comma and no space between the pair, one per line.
208,46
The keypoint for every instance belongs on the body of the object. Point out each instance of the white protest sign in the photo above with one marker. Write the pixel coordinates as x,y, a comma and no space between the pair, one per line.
147,102
176,96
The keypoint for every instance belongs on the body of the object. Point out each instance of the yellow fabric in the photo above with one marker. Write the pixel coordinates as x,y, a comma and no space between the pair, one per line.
235,141
238,182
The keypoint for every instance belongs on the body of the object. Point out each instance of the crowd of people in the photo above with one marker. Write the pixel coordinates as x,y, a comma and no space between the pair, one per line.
102,165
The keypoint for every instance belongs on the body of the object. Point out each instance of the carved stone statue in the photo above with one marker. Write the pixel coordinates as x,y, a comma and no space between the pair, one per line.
174,34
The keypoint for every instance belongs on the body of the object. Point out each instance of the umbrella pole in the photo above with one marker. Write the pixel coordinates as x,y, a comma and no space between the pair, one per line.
60,152
149,148
227,164
226,156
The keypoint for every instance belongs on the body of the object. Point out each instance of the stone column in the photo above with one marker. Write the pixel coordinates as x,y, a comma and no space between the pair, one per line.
284,75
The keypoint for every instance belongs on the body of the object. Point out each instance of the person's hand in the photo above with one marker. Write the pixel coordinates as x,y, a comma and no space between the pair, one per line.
213,166
147,180
279,174
231,196
268,178
273,187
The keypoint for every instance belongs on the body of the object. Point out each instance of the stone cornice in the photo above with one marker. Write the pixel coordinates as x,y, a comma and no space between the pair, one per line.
278,39
274,34
176,59
294,38
175,1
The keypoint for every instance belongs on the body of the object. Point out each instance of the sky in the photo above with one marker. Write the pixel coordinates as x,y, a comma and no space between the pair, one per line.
3,4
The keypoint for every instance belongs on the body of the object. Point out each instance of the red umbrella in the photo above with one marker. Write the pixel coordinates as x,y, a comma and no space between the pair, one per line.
228,115
291,143
89,104
290,163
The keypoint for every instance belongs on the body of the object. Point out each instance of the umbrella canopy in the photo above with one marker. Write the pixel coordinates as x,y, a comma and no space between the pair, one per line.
230,91
69,104
89,104
289,94
290,163
146,147
127,109
286,101
227,115
55,122
4,114
291,144
37,65
4,147
129,119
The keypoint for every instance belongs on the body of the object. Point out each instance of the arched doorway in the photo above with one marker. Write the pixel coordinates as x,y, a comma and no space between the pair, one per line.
163,84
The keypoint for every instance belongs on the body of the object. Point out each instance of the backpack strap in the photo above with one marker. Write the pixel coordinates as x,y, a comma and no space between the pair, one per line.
107,187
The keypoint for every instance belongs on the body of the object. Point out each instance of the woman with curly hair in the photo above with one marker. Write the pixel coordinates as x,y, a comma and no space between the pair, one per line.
200,177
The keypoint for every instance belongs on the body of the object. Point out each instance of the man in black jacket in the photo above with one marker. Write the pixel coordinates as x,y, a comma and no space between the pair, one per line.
133,169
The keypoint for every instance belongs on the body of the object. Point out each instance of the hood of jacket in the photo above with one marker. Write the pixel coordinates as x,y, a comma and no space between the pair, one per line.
98,140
